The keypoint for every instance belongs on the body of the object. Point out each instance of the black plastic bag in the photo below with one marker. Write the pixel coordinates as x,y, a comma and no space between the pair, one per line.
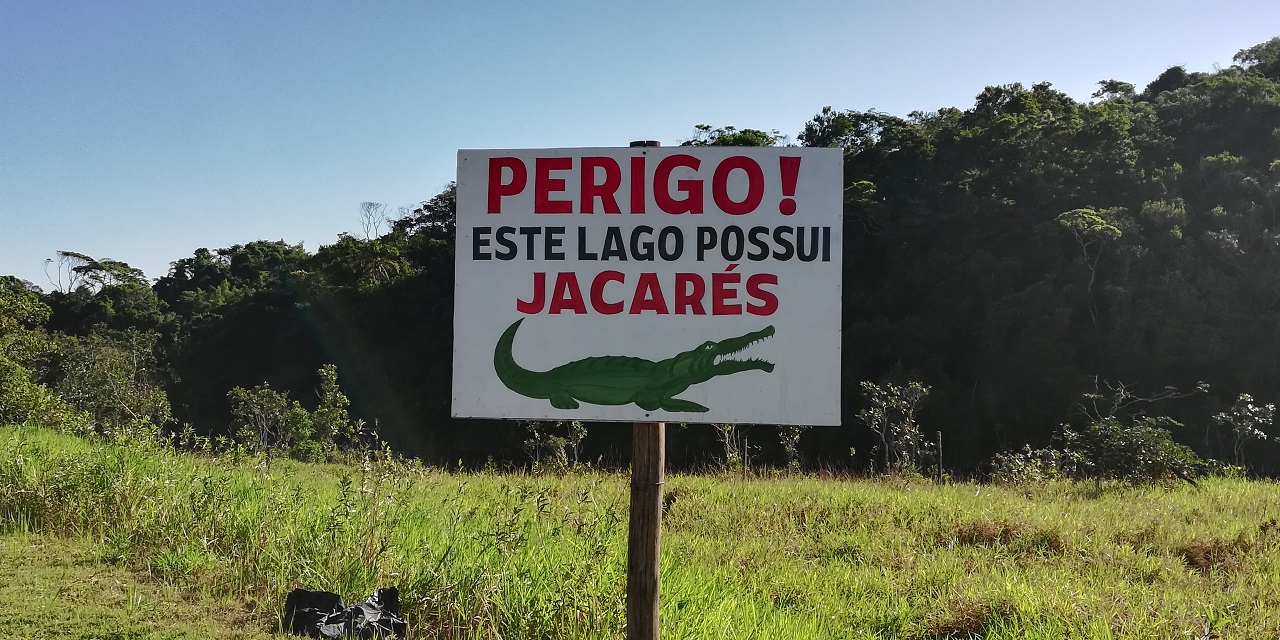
321,614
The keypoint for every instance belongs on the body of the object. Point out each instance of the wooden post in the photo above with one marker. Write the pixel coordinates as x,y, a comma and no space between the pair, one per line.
939,456
644,531
644,534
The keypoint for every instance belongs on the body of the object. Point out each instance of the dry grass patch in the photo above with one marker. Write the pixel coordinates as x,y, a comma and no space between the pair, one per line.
1207,555
988,532
964,618
1010,535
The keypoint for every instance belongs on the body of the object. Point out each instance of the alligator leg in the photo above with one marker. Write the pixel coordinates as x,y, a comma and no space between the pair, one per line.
651,401
562,400
676,404
648,401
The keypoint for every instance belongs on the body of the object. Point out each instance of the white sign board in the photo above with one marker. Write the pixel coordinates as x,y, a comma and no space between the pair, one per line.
679,284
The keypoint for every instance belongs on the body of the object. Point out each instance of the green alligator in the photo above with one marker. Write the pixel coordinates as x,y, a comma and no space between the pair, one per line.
625,379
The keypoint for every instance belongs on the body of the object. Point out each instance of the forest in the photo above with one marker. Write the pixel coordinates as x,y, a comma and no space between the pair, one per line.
1015,271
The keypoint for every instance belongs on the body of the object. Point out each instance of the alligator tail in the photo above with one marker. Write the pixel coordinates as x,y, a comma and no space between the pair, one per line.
514,376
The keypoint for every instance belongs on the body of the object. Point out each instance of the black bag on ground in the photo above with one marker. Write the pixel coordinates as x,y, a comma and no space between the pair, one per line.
320,614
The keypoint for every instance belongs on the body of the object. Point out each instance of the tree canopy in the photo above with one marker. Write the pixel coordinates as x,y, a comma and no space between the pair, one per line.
1007,254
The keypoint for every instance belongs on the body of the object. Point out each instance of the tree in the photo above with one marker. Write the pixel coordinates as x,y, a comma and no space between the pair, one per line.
112,378
1114,90
1263,58
1173,78
1005,250
731,136
1092,230
81,270
892,417
363,264
20,306
830,128
372,216
265,419
330,419
1247,422
264,265
435,217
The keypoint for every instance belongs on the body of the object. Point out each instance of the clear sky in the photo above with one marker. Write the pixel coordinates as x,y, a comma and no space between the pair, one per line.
141,131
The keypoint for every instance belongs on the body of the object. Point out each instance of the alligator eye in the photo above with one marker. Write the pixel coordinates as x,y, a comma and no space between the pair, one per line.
707,346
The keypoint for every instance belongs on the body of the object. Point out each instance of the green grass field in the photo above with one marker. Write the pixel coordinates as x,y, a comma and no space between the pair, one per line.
53,587
489,555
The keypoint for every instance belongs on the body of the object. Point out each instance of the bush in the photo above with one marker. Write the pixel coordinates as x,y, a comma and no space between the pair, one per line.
266,420
789,436
1139,453
1246,422
892,417
554,446
1027,466
110,379
330,419
22,400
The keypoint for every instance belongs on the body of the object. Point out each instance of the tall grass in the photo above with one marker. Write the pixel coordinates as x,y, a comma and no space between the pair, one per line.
487,555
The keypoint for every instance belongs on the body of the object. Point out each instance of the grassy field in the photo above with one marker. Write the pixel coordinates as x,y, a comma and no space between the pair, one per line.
490,555
61,588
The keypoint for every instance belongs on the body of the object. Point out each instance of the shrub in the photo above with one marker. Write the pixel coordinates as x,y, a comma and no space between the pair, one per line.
330,419
22,400
110,378
892,416
1138,453
790,438
1118,444
554,446
266,420
1246,421
1027,465
728,436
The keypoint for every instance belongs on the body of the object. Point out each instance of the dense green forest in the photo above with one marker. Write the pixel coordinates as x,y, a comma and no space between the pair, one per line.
1012,255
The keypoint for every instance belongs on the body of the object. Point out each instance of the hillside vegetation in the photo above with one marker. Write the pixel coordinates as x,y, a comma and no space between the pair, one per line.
1008,254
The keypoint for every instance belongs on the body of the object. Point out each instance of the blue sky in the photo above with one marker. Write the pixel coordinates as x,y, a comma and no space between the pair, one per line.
141,131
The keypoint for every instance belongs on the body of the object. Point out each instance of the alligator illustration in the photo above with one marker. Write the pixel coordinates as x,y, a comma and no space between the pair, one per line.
615,380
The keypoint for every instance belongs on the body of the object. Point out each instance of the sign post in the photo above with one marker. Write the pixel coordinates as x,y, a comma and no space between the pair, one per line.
648,285
644,531
644,526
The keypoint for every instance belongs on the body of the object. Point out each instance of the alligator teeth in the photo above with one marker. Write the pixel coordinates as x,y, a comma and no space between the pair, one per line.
741,349
725,358
722,358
